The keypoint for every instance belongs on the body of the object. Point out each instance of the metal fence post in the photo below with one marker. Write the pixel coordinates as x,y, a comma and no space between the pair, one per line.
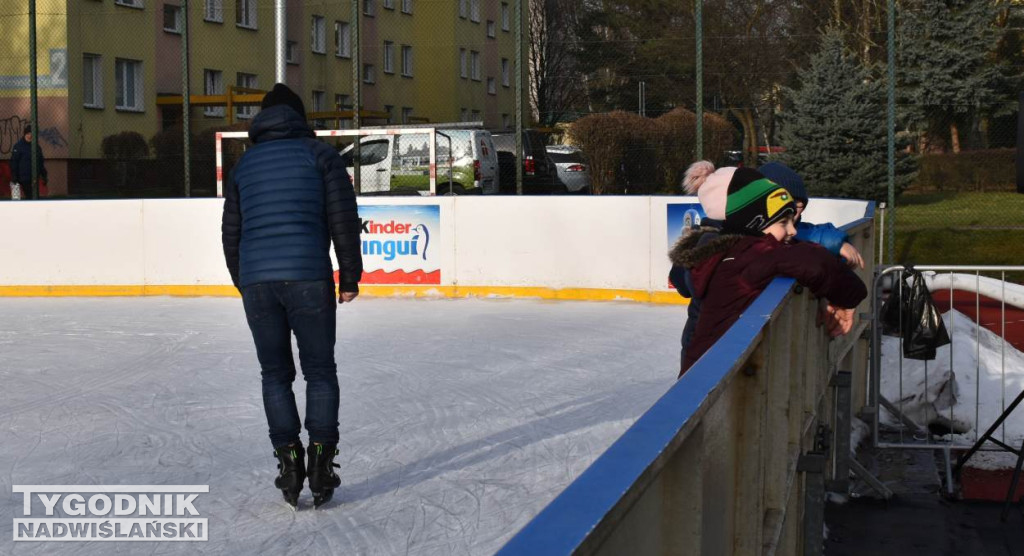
699,23
186,103
841,479
519,96
812,465
33,72
891,126
357,99
280,42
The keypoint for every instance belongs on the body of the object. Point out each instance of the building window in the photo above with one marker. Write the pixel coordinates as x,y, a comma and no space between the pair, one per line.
406,60
319,99
504,72
390,110
172,18
474,65
342,40
474,11
214,11
463,64
492,89
245,13
504,16
505,121
128,76
291,49
92,80
389,57
463,8
343,102
369,8
129,3
474,116
369,74
406,115
213,84
491,29
464,115
389,4
247,80
318,35
407,6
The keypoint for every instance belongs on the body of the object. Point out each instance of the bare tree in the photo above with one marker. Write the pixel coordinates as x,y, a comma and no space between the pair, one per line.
556,84
750,49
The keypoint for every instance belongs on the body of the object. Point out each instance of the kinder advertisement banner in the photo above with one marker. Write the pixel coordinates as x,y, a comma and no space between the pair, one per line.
401,244
681,217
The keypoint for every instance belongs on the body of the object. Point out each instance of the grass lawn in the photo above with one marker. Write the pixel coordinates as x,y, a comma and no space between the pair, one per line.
945,210
961,229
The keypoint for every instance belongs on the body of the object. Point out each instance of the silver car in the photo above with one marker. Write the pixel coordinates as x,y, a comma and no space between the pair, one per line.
573,171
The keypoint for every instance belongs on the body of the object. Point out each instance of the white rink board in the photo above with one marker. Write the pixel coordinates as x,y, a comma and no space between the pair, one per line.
553,242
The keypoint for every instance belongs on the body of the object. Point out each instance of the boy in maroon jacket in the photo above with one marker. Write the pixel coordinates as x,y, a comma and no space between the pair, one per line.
729,272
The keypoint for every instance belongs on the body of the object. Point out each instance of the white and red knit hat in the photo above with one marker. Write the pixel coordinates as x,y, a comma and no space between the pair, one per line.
711,186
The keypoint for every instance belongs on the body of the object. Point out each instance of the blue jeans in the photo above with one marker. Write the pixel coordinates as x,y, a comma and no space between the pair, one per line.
274,311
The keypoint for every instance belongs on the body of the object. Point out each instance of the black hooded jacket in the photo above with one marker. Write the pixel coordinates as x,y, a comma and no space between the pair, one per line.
287,200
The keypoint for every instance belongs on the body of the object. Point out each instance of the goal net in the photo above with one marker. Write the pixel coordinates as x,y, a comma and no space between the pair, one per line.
390,161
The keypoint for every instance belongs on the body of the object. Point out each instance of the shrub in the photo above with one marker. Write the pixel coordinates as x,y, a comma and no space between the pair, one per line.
629,153
127,145
679,144
982,170
128,151
168,148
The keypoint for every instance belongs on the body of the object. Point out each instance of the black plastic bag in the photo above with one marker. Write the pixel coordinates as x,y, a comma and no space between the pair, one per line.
894,307
910,313
923,329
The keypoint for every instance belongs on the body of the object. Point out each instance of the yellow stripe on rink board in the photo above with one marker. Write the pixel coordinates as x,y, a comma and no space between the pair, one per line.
561,294
118,291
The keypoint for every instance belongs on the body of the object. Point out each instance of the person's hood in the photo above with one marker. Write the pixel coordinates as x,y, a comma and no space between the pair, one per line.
278,122
698,244
701,250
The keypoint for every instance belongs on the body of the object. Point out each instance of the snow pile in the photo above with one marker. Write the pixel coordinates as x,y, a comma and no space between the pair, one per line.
959,391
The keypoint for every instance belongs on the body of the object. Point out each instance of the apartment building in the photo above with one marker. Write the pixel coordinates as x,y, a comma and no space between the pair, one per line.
103,64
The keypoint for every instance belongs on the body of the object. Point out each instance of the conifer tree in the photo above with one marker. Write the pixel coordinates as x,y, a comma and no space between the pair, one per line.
947,72
834,130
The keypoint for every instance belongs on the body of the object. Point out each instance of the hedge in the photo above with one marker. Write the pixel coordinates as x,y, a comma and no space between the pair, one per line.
167,147
631,154
981,170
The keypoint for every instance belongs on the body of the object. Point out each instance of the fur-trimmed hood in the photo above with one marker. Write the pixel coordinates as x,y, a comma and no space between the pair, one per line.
701,250
698,244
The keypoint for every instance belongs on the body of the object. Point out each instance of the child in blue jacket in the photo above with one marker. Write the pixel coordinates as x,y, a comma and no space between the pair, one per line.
825,235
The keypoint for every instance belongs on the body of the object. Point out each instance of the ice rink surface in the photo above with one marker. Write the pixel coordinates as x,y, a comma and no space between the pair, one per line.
460,419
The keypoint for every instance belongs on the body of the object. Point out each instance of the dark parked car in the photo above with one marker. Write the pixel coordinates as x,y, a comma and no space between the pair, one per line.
540,176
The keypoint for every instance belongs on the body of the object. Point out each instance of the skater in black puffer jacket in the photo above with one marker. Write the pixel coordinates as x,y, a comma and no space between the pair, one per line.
289,198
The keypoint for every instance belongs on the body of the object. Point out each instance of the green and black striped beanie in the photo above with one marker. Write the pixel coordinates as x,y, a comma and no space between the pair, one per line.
754,202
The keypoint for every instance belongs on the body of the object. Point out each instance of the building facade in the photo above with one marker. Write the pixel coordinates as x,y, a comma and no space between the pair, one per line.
103,64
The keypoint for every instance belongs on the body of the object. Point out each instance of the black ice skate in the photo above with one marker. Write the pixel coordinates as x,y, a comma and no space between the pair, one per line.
322,479
292,474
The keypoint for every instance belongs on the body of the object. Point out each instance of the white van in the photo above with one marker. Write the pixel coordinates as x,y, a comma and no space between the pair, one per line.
400,164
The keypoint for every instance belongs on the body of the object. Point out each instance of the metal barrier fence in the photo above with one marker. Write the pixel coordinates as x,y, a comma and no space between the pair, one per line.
736,457
928,404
